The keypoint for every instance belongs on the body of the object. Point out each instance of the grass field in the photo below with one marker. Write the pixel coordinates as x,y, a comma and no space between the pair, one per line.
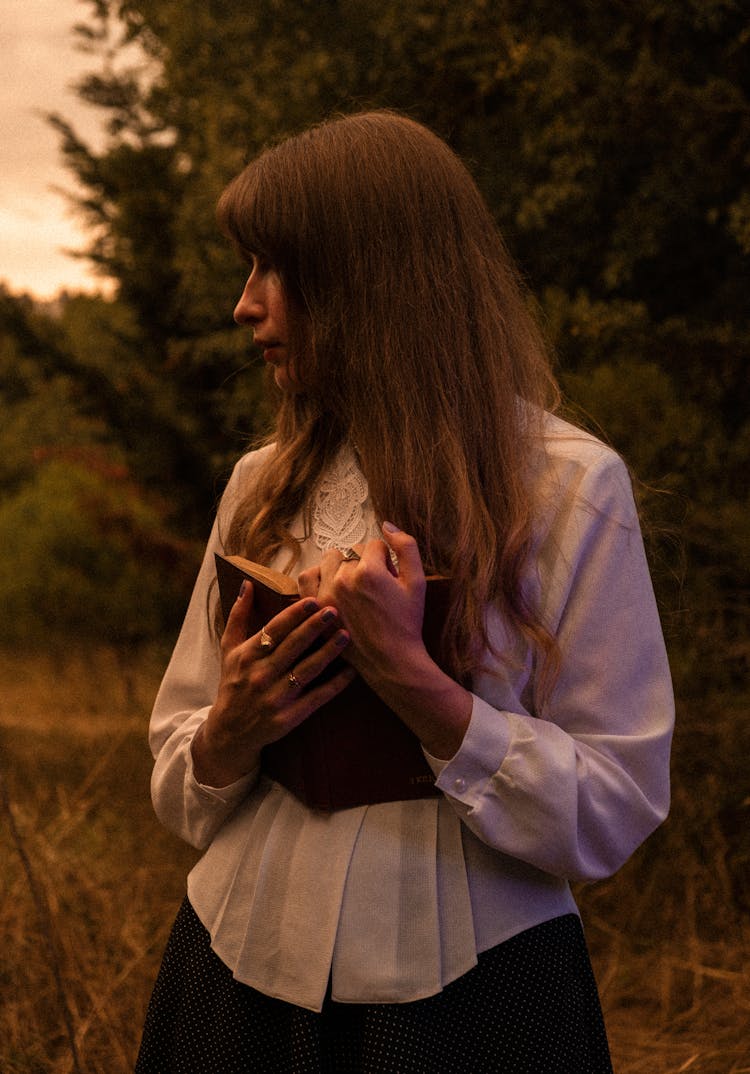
90,883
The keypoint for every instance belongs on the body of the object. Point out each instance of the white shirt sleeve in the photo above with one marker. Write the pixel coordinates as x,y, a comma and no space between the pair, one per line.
576,787
191,810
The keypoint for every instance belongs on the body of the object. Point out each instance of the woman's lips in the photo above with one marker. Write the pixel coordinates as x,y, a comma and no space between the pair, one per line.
270,348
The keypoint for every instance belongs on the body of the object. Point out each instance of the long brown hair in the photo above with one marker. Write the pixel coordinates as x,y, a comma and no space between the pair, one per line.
414,343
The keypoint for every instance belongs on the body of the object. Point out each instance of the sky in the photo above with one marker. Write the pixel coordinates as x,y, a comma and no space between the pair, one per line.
39,63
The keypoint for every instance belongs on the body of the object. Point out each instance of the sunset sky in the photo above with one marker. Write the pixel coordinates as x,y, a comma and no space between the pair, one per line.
39,63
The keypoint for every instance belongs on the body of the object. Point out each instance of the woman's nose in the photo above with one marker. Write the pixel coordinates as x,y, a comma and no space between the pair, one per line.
250,308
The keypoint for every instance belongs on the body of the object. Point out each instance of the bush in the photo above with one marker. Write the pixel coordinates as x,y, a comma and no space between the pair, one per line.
87,552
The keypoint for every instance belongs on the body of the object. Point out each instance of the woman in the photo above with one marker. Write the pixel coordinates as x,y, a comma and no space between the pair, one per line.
414,432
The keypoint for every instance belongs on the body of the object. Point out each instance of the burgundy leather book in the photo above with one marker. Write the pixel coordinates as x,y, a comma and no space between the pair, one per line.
354,750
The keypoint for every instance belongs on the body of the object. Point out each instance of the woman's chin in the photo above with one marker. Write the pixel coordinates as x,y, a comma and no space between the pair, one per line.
284,380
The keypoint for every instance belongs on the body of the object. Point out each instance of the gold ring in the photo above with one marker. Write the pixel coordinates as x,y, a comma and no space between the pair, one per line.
266,641
294,681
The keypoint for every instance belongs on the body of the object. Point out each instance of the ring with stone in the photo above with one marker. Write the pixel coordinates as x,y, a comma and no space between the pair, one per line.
294,681
350,554
266,641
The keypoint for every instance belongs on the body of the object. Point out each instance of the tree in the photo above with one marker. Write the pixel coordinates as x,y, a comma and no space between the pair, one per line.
610,140
87,548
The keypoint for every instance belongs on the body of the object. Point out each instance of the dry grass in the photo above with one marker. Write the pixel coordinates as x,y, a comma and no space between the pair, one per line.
107,878
90,884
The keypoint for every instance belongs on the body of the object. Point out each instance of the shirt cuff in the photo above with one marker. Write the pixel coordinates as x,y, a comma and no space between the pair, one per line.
230,794
466,774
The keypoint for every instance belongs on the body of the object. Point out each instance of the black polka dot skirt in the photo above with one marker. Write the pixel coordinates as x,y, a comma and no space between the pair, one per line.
530,1006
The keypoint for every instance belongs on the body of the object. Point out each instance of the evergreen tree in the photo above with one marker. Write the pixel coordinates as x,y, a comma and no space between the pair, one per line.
611,141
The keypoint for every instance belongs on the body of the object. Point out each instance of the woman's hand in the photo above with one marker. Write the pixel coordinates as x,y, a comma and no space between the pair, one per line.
383,610
267,685
382,606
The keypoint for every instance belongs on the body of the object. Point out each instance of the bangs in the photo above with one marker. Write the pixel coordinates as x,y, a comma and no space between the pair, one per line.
251,214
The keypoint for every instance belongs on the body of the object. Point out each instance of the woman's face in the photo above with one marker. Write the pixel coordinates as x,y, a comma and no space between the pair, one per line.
262,306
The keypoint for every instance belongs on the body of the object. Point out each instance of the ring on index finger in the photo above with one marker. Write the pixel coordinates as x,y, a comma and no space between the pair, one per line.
266,641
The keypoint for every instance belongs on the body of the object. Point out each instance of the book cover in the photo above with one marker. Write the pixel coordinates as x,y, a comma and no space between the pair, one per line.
354,750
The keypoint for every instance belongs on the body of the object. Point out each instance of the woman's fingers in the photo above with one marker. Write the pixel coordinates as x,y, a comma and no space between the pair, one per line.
298,690
310,698
406,551
282,626
308,582
302,702
238,620
314,662
285,638
294,631
304,635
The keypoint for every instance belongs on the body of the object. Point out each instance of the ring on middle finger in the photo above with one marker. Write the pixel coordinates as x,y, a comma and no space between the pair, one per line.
266,641
350,554
294,681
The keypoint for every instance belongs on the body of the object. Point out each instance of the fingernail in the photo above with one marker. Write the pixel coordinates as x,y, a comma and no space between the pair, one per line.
328,615
310,606
243,589
390,528
341,639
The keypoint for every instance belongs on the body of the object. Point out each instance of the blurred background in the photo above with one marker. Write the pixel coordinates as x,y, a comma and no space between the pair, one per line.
612,141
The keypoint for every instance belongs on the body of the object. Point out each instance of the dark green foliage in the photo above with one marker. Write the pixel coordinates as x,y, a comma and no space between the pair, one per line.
87,554
612,142
87,548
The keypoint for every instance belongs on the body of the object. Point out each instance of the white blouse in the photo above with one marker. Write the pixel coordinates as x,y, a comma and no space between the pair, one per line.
393,901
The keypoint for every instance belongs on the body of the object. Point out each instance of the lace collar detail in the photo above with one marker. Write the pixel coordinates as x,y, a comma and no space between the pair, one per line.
342,514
